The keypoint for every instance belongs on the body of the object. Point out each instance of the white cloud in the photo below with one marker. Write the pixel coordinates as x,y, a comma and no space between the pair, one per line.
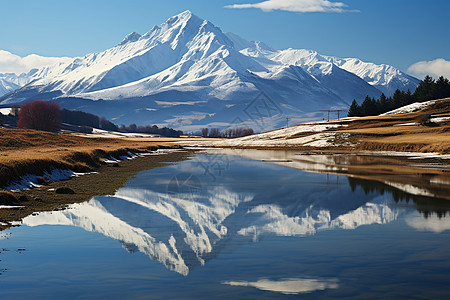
296,6
11,63
434,68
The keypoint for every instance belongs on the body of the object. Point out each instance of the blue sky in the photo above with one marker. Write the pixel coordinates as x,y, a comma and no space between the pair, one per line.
395,32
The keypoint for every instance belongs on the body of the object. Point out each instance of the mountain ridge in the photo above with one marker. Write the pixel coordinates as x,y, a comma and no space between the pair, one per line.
190,60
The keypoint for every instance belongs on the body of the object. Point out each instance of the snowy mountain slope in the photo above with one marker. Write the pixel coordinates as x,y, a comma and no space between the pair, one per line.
186,73
10,82
383,77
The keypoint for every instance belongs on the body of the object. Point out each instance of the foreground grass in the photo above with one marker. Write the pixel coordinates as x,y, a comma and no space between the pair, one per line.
28,151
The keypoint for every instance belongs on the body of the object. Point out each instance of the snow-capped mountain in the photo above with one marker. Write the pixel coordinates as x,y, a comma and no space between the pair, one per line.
10,82
187,73
382,77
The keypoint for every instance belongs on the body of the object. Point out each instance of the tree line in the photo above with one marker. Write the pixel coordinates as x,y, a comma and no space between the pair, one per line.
428,89
227,133
151,129
48,116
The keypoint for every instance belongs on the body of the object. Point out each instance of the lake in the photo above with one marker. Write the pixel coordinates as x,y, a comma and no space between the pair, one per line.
238,225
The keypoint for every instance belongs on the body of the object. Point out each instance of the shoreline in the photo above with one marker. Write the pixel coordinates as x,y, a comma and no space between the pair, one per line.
105,181
402,168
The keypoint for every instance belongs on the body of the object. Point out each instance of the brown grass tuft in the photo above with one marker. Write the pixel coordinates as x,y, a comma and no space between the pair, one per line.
7,198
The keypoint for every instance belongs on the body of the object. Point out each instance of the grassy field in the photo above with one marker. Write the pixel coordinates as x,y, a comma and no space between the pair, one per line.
29,151
387,133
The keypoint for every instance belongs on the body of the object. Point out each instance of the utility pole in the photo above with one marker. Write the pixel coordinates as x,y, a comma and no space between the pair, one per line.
332,110
287,121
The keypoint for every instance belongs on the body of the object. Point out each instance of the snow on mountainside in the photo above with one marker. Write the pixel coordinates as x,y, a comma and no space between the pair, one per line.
383,77
186,73
10,81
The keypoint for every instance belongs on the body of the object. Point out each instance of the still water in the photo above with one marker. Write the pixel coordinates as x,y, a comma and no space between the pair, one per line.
228,227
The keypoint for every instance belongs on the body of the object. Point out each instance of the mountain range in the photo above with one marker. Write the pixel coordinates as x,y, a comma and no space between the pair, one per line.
187,74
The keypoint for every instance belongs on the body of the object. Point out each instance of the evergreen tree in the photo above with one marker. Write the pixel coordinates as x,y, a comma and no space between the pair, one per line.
383,103
354,110
397,99
368,107
426,90
442,89
409,97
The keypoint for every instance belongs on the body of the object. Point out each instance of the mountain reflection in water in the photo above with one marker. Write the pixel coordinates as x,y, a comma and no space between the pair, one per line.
181,216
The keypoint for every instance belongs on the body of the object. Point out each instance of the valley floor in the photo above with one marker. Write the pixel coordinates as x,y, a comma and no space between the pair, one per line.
399,139
425,130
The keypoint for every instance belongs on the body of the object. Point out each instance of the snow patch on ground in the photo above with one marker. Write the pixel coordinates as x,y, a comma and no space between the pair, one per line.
418,106
9,206
114,134
435,120
405,124
287,137
30,180
5,111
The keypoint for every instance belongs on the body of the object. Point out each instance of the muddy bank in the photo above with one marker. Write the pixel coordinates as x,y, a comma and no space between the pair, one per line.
108,179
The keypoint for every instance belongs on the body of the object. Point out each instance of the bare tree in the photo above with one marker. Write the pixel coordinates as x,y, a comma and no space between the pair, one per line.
40,115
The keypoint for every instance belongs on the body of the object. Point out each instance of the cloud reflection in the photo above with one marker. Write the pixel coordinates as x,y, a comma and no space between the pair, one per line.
431,223
289,286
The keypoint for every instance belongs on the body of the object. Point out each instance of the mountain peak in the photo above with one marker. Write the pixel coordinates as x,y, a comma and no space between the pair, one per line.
187,13
183,17
131,37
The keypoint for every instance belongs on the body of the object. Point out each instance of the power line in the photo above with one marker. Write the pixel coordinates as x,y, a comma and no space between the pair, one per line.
332,110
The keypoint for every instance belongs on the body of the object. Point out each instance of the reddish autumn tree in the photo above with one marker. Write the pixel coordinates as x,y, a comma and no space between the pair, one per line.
40,115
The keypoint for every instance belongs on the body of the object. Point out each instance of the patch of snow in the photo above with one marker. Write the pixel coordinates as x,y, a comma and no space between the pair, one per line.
439,119
5,111
111,160
405,124
314,137
114,134
418,106
9,206
30,180
439,181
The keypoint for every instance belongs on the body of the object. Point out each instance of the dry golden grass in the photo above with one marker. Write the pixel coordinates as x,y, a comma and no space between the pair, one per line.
105,182
380,134
30,151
